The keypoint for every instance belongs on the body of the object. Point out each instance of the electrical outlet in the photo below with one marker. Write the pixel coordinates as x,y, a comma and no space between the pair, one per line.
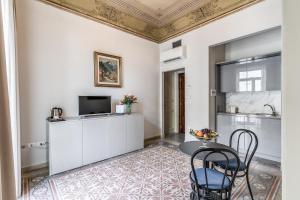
35,145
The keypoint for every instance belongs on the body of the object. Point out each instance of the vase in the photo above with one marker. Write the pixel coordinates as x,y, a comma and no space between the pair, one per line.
128,108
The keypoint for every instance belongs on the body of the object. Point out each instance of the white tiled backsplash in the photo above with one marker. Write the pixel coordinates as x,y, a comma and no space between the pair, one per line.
253,102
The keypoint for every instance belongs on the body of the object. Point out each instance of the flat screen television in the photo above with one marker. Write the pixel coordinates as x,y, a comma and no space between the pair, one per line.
93,105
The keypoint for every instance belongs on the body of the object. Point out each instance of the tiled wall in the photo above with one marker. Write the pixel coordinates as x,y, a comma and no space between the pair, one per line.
253,102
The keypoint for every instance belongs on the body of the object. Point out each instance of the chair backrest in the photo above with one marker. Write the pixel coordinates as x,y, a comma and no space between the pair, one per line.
208,156
250,146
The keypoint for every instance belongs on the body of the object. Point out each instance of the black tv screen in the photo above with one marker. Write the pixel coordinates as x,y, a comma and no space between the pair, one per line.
91,105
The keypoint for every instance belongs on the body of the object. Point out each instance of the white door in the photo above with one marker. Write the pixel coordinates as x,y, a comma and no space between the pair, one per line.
116,138
134,132
94,140
65,145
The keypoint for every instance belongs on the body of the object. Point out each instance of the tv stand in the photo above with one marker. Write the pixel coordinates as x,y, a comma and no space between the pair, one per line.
80,141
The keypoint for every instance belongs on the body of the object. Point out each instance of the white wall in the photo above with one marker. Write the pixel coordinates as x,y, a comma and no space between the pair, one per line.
260,17
56,65
291,99
259,44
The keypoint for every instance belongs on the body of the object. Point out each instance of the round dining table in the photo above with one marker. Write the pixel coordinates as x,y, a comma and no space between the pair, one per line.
192,146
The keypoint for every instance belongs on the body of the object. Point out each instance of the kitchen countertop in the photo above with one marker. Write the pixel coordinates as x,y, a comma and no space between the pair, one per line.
259,115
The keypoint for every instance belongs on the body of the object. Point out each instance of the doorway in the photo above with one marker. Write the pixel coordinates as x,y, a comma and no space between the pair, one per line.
174,105
181,96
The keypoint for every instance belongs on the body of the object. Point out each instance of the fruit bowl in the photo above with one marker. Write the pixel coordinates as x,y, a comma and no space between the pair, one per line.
204,134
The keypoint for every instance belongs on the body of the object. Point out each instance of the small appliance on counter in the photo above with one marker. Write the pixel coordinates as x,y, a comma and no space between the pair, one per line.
120,109
233,109
56,115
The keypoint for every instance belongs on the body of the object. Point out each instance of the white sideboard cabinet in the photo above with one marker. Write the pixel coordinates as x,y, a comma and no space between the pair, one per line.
81,141
65,149
94,140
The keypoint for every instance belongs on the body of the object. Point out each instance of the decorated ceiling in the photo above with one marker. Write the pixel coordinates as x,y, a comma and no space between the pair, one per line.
156,20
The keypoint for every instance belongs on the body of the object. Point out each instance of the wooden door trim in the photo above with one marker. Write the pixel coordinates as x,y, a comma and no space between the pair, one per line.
181,102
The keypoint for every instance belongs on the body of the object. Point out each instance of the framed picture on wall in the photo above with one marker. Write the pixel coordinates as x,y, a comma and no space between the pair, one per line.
107,70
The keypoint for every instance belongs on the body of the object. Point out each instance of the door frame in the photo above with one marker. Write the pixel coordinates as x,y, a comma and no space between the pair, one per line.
177,71
178,102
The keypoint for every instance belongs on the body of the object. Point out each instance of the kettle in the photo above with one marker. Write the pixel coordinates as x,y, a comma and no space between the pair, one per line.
56,113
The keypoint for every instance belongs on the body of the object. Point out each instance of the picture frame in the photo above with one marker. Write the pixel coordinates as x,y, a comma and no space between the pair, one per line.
107,70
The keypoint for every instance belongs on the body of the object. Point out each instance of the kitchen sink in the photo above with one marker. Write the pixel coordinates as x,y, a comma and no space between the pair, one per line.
261,115
265,115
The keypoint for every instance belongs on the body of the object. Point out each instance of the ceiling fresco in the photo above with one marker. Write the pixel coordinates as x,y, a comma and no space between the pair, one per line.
156,20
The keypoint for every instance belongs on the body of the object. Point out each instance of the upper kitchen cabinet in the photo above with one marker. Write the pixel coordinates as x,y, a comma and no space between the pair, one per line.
228,77
273,73
255,74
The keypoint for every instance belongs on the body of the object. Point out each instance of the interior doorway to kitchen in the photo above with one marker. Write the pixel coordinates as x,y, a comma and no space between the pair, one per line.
174,105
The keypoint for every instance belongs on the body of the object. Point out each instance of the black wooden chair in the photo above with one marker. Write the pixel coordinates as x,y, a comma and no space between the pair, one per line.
250,148
208,183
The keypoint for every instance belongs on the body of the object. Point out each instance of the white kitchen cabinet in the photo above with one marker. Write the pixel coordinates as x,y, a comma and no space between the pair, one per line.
65,149
273,73
226,124
134,138
268,131
81,141
224,128
228,77
257,74
94,140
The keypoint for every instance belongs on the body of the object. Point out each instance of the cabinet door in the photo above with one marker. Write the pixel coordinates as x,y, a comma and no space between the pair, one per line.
253,124
228,78
271,138
116,136
134,132
273,73
65,146
268,132
238,122
226,125
94,140
224,128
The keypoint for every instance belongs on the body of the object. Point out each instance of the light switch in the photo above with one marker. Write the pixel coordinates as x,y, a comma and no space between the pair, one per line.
213,93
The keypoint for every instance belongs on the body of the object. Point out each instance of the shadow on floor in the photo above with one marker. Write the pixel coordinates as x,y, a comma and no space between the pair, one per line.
175,138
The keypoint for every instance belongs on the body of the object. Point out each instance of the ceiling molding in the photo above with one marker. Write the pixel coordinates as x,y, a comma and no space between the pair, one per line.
157,25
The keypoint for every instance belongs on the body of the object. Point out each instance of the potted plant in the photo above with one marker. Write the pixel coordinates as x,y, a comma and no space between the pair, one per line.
128,100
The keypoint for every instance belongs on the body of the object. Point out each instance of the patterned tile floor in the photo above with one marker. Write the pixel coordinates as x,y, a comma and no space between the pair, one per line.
156,172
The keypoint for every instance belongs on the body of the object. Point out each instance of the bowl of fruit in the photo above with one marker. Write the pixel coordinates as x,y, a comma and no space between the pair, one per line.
204,134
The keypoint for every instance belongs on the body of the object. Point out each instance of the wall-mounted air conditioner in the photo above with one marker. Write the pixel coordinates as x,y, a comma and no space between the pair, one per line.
173,54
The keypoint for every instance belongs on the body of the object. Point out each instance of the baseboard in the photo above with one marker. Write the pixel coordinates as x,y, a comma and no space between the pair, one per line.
152,138
44,165
34,167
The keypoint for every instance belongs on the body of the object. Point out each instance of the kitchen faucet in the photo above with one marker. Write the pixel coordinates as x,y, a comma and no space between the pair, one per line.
272,108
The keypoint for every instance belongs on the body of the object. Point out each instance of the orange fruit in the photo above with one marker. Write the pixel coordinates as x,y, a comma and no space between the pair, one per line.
199,133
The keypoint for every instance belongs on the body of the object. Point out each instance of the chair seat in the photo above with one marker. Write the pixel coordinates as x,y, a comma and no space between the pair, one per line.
232,165
214,179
